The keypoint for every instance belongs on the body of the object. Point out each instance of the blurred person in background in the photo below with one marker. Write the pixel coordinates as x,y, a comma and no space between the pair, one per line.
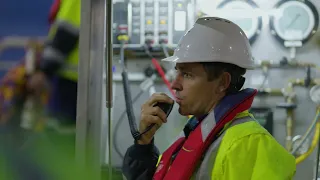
58,70
59,62
48,156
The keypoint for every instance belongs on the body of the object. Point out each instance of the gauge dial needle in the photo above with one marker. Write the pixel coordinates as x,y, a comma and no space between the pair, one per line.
293,21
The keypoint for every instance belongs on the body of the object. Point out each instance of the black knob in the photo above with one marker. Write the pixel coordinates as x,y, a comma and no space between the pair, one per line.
284,61
307,81
149,71
287,106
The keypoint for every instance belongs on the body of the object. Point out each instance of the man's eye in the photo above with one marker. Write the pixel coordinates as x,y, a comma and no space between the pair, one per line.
187,75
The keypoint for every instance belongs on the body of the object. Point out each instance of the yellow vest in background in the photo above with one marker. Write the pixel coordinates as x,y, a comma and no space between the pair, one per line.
69,13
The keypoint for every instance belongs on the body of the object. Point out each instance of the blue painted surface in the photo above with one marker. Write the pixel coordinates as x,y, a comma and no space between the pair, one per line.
27,18
22,18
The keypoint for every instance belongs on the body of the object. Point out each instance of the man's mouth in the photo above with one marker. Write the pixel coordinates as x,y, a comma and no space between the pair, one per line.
178,100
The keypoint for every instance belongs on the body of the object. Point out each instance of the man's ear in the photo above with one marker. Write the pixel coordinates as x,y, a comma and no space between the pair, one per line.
225,80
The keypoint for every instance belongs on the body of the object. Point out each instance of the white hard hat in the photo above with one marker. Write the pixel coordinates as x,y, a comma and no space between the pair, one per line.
214,39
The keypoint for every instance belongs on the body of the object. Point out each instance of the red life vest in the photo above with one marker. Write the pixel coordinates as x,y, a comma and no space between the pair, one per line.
188,151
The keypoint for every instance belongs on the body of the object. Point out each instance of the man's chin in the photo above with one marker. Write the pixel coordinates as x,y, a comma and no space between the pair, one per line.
183,113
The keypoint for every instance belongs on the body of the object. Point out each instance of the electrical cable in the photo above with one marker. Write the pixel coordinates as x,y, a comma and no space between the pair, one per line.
317,161
312,147
307,134
129,102
119,121
127,95
144,86
131,117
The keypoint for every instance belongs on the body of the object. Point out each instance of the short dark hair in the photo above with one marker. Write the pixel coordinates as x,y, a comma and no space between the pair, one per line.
215,69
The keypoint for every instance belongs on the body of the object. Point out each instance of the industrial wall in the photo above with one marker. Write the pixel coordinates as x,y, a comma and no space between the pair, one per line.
30,19
265,48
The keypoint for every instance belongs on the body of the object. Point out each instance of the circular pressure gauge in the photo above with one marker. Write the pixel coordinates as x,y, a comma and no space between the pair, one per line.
304,146
294,21
244,14
315,94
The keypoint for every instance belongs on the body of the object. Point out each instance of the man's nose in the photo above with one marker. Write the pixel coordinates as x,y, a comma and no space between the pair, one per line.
176,84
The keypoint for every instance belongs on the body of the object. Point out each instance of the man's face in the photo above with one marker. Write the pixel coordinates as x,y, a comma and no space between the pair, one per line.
195,94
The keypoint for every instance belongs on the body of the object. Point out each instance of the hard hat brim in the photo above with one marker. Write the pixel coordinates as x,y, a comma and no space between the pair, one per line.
176,59
171,59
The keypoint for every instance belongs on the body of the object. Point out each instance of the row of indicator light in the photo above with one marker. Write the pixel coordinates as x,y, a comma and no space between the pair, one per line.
149,22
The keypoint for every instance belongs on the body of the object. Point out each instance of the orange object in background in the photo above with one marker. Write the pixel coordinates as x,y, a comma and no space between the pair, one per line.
13,91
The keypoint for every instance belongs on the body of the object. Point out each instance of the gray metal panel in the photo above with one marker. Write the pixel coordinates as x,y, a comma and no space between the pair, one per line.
90,139
83,83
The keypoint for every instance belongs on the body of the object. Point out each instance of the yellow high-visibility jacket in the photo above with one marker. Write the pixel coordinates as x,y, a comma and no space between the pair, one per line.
246,151
69,16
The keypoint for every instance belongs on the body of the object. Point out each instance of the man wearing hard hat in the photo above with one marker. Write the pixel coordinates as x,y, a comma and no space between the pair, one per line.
222,141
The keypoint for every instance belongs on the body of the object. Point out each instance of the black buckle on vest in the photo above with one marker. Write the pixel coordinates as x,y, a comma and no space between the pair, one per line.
190,126
187,130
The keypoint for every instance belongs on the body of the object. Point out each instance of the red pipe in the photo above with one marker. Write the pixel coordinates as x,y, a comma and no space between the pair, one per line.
163,75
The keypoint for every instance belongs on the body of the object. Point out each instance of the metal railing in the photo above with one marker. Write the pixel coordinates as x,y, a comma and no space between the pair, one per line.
29,44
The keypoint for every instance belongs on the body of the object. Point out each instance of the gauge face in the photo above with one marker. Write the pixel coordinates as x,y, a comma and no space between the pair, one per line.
294,21
241,13
315,94
303,148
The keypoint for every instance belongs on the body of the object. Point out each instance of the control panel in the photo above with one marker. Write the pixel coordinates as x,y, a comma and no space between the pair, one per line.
264,115
151,22
120,20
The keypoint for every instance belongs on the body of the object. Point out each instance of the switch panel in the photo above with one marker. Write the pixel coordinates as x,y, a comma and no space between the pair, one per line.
154,22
